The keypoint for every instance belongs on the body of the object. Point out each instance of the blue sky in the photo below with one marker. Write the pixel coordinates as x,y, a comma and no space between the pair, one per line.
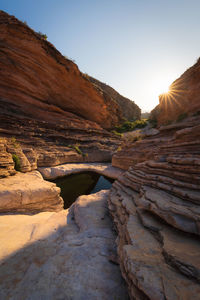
137,46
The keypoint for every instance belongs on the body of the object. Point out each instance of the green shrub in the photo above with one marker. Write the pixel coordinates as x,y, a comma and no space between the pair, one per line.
17,162
131,125
13,139
153,122
14,142
42,35
117,133
181,117
78,150
76,147
119,149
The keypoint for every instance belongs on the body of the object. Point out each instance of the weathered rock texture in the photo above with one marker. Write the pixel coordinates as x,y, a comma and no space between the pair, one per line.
179,138
36,78
64,255
183,98
130,110
29,193
68,169
6,161
155,206
47,104
45,151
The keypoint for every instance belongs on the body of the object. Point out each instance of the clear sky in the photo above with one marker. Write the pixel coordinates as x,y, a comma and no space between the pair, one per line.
137,46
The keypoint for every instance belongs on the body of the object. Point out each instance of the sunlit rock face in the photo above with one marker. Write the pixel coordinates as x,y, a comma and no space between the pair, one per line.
63,255
155,207
47,104
129,109
36,79
183,97
29,193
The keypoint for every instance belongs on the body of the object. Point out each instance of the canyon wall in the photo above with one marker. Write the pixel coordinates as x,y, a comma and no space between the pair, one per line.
129,109
155,203
50,113
183,98
36,79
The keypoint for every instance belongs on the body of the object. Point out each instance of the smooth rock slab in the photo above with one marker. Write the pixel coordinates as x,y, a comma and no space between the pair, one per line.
29,193
63,255
105,169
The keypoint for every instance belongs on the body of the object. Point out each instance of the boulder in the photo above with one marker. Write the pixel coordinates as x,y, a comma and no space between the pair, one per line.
29,193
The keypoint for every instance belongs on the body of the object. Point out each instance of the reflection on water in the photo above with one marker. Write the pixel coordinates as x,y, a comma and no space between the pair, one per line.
86,183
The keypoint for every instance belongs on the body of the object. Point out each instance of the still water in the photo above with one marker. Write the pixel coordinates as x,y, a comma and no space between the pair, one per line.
86,183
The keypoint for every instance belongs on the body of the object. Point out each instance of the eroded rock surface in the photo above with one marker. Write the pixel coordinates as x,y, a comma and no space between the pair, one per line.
157,261
6,161
155,207
50,114
36,79
29,193
68,169
183,97
63,255
130,110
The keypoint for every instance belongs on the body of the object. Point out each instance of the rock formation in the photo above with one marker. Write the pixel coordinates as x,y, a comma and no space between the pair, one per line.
104,169
65,255
155,207
29,193
183,97
50,113
129,109
36,79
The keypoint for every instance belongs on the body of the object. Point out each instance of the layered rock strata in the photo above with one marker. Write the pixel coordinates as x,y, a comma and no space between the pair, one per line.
181,138
6,161
183,97
155,207
65,255
68,169
58,149
36,79
50,110
29,193
130,110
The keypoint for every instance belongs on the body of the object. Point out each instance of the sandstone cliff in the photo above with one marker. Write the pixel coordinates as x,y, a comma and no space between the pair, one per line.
49,112
129,109
36,78
155,204
183,98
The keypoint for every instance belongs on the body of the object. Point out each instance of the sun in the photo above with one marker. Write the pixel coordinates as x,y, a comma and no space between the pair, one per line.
162,87
159,84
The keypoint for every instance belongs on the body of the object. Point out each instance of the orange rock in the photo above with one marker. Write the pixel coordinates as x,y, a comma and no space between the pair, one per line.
36,79
155,203
183,98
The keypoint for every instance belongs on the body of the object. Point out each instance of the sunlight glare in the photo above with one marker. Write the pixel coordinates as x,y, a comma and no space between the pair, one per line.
162,87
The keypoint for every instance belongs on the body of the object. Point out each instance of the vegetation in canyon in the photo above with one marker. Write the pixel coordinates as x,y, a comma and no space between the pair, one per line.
56,121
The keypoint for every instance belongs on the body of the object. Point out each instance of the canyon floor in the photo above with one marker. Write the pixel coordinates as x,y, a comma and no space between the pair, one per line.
69,254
